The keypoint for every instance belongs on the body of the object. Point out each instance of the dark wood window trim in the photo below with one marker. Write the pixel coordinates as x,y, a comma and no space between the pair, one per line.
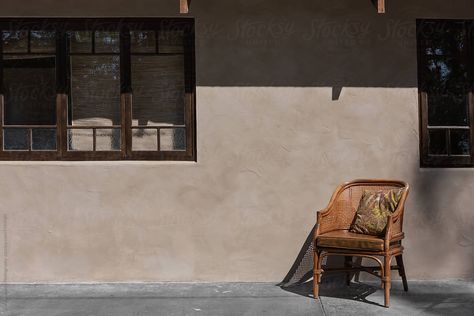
123,25
448,160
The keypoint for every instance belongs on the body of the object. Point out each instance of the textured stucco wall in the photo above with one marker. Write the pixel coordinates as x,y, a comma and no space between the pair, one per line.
272,146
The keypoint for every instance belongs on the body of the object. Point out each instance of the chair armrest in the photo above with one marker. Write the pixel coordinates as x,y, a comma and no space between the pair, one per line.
326,215
388,232
401,205
318,224
322,224
394,221
325,223
393,230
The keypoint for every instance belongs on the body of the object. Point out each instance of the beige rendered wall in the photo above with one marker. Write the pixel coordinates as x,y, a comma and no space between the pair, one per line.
272,146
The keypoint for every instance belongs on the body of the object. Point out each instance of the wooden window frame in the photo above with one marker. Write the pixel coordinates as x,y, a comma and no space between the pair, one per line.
123,25
445,161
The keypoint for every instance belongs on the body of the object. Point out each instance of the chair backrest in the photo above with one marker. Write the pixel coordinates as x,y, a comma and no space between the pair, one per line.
350,193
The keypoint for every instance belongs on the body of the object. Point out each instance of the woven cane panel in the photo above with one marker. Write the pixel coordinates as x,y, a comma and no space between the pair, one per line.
345,206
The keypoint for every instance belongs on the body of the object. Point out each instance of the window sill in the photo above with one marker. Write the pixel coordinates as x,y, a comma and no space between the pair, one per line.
98,163
453,169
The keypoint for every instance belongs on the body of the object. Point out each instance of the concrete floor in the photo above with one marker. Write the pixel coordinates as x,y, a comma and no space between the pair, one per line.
424,298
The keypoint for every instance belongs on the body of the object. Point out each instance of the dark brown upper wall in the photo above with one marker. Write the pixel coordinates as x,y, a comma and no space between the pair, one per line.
285,43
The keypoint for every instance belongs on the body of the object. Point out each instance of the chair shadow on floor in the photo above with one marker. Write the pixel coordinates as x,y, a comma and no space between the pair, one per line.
356,291
299,278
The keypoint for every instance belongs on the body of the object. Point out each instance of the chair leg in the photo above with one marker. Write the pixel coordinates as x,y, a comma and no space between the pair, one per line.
347,264
316,275
387,279
401,271
358,262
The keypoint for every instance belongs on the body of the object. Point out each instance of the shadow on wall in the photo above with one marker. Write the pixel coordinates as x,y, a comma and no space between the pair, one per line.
435,214
296,280
312,43
321,44
309,43
302,269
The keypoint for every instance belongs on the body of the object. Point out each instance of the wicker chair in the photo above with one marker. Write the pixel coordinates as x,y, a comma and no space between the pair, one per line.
332,236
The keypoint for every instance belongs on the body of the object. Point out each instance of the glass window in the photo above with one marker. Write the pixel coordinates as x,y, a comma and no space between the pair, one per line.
29,90
445,81
97,89
158,85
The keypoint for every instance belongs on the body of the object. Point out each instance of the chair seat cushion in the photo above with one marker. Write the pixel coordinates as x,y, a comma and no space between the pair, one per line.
344,239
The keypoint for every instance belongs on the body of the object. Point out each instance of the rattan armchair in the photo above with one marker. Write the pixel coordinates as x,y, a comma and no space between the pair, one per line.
332,236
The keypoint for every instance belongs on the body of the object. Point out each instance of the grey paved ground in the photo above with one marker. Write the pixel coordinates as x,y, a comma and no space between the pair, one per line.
425,298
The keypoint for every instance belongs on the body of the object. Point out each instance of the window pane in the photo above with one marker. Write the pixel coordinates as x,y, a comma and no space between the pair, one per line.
172,139
445,110
143,42
158,90
30,89
438,142
144,139
95,90
170,41
446,75
107,42
80,42
43,42
16,139
460,142
107,139
15,41
43,139
80,139
444,38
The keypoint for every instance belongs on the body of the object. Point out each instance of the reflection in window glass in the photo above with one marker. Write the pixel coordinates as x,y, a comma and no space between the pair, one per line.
29,89
445,38
16,139
80,140
80,42
43,139
446,81
171,41
107,139
143,41
43,42
438,142
172,139
77,65
144,139
15,41
459,142
95,90
448,110
445,73
158,90
107,42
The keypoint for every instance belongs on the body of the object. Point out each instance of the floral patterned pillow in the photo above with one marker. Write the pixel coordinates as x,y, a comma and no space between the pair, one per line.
374,207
